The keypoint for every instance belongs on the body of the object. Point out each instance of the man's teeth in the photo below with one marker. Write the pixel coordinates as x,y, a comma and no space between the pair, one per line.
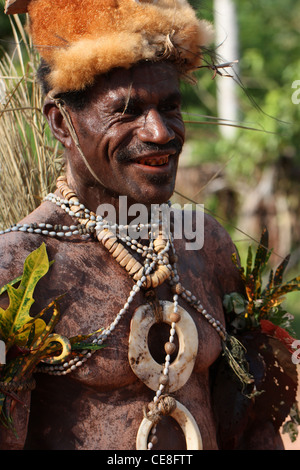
153,161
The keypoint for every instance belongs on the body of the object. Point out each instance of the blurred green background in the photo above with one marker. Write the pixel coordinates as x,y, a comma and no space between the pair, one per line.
248,176
247,173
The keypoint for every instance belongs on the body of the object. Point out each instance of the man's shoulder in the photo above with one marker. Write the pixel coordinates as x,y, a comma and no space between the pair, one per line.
14,248
16,245
212,224
214,233
220,235
15,242
220,247
195,216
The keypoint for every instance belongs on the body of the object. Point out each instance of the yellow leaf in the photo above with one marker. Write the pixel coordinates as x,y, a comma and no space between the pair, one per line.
21,299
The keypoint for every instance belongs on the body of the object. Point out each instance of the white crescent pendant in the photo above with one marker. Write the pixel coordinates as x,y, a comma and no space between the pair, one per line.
185,421
140,359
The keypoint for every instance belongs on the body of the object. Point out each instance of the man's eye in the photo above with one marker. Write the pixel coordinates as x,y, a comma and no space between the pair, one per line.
170,107
127,110
130,110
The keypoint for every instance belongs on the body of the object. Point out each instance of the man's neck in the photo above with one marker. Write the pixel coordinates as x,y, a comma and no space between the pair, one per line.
115,208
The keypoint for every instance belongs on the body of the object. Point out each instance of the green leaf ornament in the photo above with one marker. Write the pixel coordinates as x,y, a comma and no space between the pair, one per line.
16,322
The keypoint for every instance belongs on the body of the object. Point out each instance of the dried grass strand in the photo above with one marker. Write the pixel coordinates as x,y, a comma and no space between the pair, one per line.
30,157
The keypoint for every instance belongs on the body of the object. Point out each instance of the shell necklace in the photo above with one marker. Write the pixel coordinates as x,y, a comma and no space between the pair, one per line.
159,266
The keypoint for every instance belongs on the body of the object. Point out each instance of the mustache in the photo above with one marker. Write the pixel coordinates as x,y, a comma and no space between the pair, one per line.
130,154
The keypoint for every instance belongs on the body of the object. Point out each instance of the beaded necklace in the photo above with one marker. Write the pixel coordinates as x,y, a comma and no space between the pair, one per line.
159,266
156,269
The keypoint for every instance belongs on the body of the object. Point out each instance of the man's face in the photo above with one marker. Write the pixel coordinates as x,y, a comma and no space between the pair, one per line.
132,133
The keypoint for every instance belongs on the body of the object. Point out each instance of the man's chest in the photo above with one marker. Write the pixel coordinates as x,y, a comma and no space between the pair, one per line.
95,292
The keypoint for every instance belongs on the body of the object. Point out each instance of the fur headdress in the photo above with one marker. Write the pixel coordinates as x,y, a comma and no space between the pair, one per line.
80,39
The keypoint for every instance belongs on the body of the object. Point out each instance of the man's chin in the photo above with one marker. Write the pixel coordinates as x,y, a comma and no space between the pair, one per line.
159,195
158,188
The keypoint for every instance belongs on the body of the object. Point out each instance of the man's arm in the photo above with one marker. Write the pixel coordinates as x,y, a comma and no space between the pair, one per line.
251,423
261,436
14,438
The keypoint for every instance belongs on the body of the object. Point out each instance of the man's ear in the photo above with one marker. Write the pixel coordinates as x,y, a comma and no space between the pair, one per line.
57,122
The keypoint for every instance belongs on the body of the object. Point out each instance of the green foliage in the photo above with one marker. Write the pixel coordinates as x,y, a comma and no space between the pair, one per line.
269,64
15,321
291,425
268,128
6,40
262,308
4,23
262,302
28,339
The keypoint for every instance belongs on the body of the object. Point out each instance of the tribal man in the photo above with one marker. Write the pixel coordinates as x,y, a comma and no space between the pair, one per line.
111,72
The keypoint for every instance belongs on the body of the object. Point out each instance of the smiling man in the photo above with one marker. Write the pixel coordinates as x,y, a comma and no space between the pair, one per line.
131,134
110,73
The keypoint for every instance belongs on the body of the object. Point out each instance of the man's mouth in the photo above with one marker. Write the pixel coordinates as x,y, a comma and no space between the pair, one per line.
158,160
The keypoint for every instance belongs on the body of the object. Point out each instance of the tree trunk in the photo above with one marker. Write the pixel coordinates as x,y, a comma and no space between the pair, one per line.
226,35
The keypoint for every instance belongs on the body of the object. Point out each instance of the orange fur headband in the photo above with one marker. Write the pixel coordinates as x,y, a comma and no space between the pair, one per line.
81,39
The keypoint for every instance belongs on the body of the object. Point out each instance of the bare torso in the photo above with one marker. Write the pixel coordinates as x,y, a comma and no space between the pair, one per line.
100,405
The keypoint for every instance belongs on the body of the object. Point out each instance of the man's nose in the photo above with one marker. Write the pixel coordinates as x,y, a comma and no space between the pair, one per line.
155,129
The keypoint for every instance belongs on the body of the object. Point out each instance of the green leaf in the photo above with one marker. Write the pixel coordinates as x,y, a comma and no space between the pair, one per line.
30,332
21,299
15,281
90,346
11,283
249,262
280,271
234,302
289,286
262,254
270,284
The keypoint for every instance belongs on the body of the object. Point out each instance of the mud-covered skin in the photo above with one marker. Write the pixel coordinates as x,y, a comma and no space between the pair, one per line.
84,409
100,406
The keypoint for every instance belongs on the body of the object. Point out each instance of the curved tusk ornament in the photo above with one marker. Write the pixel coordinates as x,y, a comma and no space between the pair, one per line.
185,421
140,359
179,371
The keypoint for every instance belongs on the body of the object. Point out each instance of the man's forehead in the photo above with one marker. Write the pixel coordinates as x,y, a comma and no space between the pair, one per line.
151,78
